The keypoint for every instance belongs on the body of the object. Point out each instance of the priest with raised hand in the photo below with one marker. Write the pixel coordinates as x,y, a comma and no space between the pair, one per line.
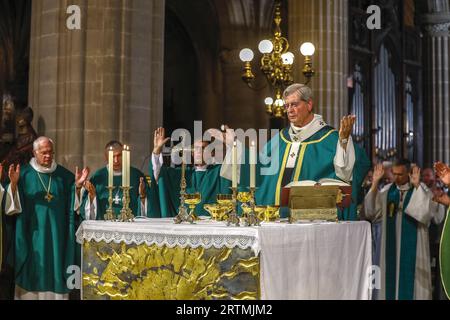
443,172
203,177
309,149
406,209
43,196
143,198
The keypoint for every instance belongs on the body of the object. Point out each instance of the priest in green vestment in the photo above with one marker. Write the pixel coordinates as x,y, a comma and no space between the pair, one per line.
405,209
309,149
443,172
143,198
42,195
200,177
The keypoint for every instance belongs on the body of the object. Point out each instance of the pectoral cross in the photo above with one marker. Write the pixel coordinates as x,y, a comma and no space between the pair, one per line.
391,210
116,199
48,197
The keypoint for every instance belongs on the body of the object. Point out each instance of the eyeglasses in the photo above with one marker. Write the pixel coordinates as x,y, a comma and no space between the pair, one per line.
287,106
46,153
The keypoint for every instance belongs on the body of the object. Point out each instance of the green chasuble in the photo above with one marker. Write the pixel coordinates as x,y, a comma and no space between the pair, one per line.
408,250
45,231
100,181
209,183
444,258
315,161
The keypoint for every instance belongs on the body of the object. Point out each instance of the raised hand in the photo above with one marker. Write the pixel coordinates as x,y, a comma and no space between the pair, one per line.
81,177
414,176
14,176
159,140
346,128
441,197
142,192
378,173
443,172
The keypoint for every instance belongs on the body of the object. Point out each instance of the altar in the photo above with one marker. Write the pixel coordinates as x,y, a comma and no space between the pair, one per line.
154,259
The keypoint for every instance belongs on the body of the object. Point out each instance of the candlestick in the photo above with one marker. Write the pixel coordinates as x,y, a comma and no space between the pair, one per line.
233,218
109,216
183,215
126,214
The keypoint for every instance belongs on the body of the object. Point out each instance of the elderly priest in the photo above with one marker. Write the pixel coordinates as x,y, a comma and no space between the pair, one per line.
309,149
43,195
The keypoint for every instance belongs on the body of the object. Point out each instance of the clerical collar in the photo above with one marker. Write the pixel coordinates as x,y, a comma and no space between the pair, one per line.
300,129
201,168
300,134
117,173
41,169
404,187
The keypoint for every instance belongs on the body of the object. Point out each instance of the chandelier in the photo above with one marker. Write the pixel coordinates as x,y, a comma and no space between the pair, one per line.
276,65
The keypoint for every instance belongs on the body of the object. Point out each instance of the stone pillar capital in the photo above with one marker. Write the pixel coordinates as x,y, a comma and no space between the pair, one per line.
436,24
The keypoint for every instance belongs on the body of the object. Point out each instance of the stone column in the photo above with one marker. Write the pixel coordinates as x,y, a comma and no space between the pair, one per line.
325,24
100,83
437,82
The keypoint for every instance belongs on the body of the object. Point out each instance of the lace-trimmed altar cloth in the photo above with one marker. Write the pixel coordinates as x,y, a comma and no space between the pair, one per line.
163,232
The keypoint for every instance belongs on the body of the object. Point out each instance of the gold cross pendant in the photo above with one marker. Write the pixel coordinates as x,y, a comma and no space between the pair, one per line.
391,210
48,197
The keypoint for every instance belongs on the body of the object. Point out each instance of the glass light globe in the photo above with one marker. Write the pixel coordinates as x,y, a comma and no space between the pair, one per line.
288,58
307,49
265,46
268,101
279,103
246,55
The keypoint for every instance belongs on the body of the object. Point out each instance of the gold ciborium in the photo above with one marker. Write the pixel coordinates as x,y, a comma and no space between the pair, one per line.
217,211
192,200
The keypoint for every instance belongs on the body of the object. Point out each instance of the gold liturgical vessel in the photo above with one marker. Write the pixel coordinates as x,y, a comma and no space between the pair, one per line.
192,200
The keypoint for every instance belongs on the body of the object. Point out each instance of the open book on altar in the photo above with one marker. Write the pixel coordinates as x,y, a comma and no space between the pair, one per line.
321,182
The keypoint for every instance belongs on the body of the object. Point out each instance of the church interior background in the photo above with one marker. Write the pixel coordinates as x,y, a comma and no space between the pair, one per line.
136,65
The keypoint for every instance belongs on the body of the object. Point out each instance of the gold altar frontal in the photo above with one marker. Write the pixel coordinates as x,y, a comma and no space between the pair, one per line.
120,271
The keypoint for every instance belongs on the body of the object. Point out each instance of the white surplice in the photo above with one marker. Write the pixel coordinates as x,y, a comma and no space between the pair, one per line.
423,210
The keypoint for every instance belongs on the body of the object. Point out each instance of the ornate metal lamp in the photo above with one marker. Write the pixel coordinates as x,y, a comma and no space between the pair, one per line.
276,65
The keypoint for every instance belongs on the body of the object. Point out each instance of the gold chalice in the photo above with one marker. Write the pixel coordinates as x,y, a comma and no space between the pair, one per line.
225,200
259,211
217,212
192,200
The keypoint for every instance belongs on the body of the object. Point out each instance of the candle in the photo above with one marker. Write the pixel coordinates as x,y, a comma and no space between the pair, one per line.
253,165
124,166
128,166
234,166
110,167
